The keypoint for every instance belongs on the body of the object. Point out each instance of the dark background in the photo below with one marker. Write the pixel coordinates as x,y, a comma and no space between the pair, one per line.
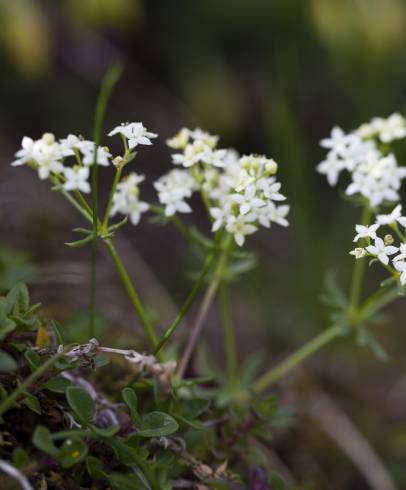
270,77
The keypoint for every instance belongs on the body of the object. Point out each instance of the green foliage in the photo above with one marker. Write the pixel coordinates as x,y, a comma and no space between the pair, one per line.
157,424
162,432
81,403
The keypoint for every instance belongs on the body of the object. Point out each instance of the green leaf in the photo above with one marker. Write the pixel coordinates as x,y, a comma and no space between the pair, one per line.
6,326
195,407
57,331
42,439
20,457
81,403
195,424
79,243
18,299
277,482
7,363
32,403
33,359
95,467
73,451
130,398
58,384
126,482
157,424
105,431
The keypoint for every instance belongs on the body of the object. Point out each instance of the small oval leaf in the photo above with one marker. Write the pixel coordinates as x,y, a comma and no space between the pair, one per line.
81,403
157,424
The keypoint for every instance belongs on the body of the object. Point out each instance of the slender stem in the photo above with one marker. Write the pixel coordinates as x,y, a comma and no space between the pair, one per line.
178,223
188,303
111,195
109,80
229,337
94,253
205,307
378,301
77,206
199,179
359,268
295,359
134,298
14,396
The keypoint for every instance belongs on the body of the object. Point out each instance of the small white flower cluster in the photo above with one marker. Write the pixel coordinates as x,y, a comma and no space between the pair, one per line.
135,133
49,156
240,193
173,188
375,175
383,248
126,198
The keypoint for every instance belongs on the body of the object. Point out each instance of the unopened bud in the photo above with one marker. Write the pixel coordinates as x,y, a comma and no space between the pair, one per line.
118,162
48,138
271,167
358,252
388,240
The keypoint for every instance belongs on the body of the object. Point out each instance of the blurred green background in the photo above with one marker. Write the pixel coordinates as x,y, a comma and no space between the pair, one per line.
270,77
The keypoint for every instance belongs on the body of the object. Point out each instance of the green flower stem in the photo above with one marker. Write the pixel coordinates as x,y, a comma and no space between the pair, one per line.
297,358
178,223
359,269
111,195
83,202
15,395
109,80
134,298
188,303
378,300
229,338
205,306
77,206
199,179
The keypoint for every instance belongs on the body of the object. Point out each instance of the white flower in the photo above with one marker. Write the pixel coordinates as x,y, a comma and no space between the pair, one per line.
68,145
402,254
76,179
135,209
374,176
199,151
395,215
392,128
214,157
135,133
207,139
270,189
87,149
400,266
173,188
240,226
220,216
180,140
377,179
358,252
331,167
249,200
382,251
25,154
338,140
126,198
45,152
278,213
366,231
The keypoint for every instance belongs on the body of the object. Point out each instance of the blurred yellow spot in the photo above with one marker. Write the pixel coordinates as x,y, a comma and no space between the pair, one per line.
75,454
43,338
